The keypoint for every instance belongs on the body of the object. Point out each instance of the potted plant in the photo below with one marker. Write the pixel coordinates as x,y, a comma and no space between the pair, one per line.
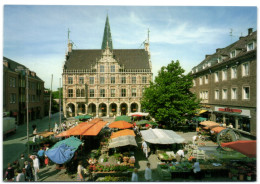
234,173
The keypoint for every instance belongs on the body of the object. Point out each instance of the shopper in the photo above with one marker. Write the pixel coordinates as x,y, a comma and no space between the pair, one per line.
148,173
135,175
20,177
28,171
145,148
80,176
21,162
9,174
36,167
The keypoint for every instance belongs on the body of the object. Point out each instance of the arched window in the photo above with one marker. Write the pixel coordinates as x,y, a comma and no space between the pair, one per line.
78,93
82,93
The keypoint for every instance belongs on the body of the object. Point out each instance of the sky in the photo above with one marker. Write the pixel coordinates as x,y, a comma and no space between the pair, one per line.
37,35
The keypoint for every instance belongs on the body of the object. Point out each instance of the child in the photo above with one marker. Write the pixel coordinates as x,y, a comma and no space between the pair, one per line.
46,161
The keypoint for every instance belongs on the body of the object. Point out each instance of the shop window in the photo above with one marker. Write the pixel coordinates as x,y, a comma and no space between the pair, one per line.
244,124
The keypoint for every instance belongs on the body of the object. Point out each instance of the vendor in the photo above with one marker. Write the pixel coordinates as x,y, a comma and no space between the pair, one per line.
195,138
145,149
179,155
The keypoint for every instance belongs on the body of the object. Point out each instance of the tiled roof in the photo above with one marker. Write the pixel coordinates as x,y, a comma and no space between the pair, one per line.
238,45
129,58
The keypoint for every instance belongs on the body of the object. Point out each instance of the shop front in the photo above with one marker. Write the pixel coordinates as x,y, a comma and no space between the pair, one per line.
240,119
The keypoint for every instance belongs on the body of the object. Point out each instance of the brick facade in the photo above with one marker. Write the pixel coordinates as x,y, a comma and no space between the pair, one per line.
236,85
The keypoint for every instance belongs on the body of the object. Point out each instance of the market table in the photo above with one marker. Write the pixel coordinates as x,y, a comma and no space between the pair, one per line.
209,170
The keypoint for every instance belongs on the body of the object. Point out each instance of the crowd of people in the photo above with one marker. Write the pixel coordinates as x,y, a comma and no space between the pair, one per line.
24,169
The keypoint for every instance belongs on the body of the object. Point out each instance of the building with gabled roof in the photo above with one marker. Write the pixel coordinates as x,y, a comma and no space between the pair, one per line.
14,92
106,81
226,84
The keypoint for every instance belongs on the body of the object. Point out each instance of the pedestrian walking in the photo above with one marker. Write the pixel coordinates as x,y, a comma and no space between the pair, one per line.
9,174
20,176
46,160
36,167
28,171
80,173
148,173
145,148
135,175
196,169
41,155
21,162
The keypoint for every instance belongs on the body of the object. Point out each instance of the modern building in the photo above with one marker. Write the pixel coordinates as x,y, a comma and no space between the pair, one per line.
106,81
226,84
14,92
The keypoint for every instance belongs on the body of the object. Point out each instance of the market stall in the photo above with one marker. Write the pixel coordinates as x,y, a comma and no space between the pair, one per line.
120,124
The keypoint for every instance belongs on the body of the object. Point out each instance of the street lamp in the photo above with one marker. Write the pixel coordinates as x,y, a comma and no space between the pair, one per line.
20,68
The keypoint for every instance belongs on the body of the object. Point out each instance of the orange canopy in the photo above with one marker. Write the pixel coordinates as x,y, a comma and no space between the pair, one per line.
120,124
86,128
122,133
95,129
247,148
217,129
209,123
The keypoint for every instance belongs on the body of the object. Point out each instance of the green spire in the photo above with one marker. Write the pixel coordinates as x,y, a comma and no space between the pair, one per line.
107,38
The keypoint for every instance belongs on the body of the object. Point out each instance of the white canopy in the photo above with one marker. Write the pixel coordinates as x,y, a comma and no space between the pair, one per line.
122,141
161,136
138,113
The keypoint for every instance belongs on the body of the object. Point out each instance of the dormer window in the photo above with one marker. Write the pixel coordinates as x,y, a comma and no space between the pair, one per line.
250,46
233,54
196,69
209,64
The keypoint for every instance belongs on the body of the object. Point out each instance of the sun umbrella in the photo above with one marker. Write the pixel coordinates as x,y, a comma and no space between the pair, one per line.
217,129
123,118
245,147
122,133
142,122
120,125
83,117
209,123
199,119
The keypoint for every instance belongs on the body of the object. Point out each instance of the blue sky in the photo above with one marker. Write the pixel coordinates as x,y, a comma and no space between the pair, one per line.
36,36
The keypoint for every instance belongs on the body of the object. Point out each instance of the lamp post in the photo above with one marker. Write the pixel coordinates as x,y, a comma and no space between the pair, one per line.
20,68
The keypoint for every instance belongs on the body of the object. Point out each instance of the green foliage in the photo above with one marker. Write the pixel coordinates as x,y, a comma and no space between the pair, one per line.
55,94
169,98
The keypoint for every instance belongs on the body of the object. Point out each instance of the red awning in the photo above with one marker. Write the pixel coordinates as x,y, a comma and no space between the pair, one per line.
247,148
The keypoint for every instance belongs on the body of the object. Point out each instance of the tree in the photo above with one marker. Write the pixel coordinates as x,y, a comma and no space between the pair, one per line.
56,94
168,99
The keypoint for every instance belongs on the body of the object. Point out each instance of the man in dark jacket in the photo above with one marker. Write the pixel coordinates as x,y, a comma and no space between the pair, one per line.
21,162
28,171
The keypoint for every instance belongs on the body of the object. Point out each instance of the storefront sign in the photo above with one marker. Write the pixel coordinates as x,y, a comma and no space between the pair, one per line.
227,109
